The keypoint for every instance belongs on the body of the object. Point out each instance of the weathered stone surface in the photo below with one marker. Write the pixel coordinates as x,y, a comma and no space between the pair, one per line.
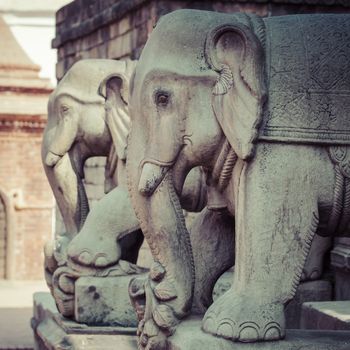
104,301
305,85
189,336
331,315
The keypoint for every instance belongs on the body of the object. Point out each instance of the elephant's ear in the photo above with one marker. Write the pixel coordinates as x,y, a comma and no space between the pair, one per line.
239,92
115,89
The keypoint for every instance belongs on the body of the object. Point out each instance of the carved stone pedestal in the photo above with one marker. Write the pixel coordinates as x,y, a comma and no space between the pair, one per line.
104,302
189,336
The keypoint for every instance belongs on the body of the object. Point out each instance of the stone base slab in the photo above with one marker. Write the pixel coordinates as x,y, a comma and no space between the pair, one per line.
189,336
54,332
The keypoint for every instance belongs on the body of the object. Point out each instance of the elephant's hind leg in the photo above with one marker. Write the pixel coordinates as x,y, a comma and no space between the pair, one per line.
313,268
275,224
212,239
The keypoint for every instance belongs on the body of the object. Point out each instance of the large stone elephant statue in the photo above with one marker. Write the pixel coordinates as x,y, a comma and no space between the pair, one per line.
263,105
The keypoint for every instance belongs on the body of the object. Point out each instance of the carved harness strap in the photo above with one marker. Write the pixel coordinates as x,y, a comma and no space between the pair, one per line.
220,177
340,215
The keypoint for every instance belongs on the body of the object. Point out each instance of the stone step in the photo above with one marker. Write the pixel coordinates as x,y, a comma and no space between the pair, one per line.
326,315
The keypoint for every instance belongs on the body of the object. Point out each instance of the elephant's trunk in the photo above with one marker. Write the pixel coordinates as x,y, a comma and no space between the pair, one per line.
65,177
162,222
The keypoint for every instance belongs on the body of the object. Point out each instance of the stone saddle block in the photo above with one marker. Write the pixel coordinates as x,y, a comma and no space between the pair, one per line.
303,82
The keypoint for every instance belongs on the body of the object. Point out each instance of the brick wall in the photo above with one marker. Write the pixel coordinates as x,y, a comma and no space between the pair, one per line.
23,180
119,28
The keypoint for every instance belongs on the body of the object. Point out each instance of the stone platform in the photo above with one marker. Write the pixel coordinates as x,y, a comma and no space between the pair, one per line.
53,332
331,315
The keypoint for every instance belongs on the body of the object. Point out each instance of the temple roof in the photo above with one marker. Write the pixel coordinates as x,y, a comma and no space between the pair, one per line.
12,56
22,91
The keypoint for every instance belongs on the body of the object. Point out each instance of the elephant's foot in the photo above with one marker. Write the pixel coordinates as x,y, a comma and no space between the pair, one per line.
94,251
313,267
311,273
243,318
157,318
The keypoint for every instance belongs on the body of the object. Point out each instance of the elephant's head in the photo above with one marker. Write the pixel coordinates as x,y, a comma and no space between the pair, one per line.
198,88
192,88
86,117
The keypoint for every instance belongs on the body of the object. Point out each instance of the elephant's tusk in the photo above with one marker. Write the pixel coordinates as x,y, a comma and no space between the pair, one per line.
151,176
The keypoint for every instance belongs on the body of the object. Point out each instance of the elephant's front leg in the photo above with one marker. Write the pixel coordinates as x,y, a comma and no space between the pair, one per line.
112,217
276,219
169,290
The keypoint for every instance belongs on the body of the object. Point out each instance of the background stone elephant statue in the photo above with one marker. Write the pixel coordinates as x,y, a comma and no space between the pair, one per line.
269,123
82,124
88,116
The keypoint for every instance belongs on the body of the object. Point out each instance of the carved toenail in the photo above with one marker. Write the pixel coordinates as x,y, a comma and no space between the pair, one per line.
273,333
101,261
209,324
248,334
226,330
143,339
85,258
150,329
315,274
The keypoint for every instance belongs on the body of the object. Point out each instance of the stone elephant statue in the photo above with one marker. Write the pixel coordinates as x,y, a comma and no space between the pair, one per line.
82,124
270,124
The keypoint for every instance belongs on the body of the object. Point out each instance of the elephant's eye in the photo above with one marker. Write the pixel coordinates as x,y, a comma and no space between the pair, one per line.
64,109
162,98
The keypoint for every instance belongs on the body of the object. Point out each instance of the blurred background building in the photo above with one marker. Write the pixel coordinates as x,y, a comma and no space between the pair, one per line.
26,79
